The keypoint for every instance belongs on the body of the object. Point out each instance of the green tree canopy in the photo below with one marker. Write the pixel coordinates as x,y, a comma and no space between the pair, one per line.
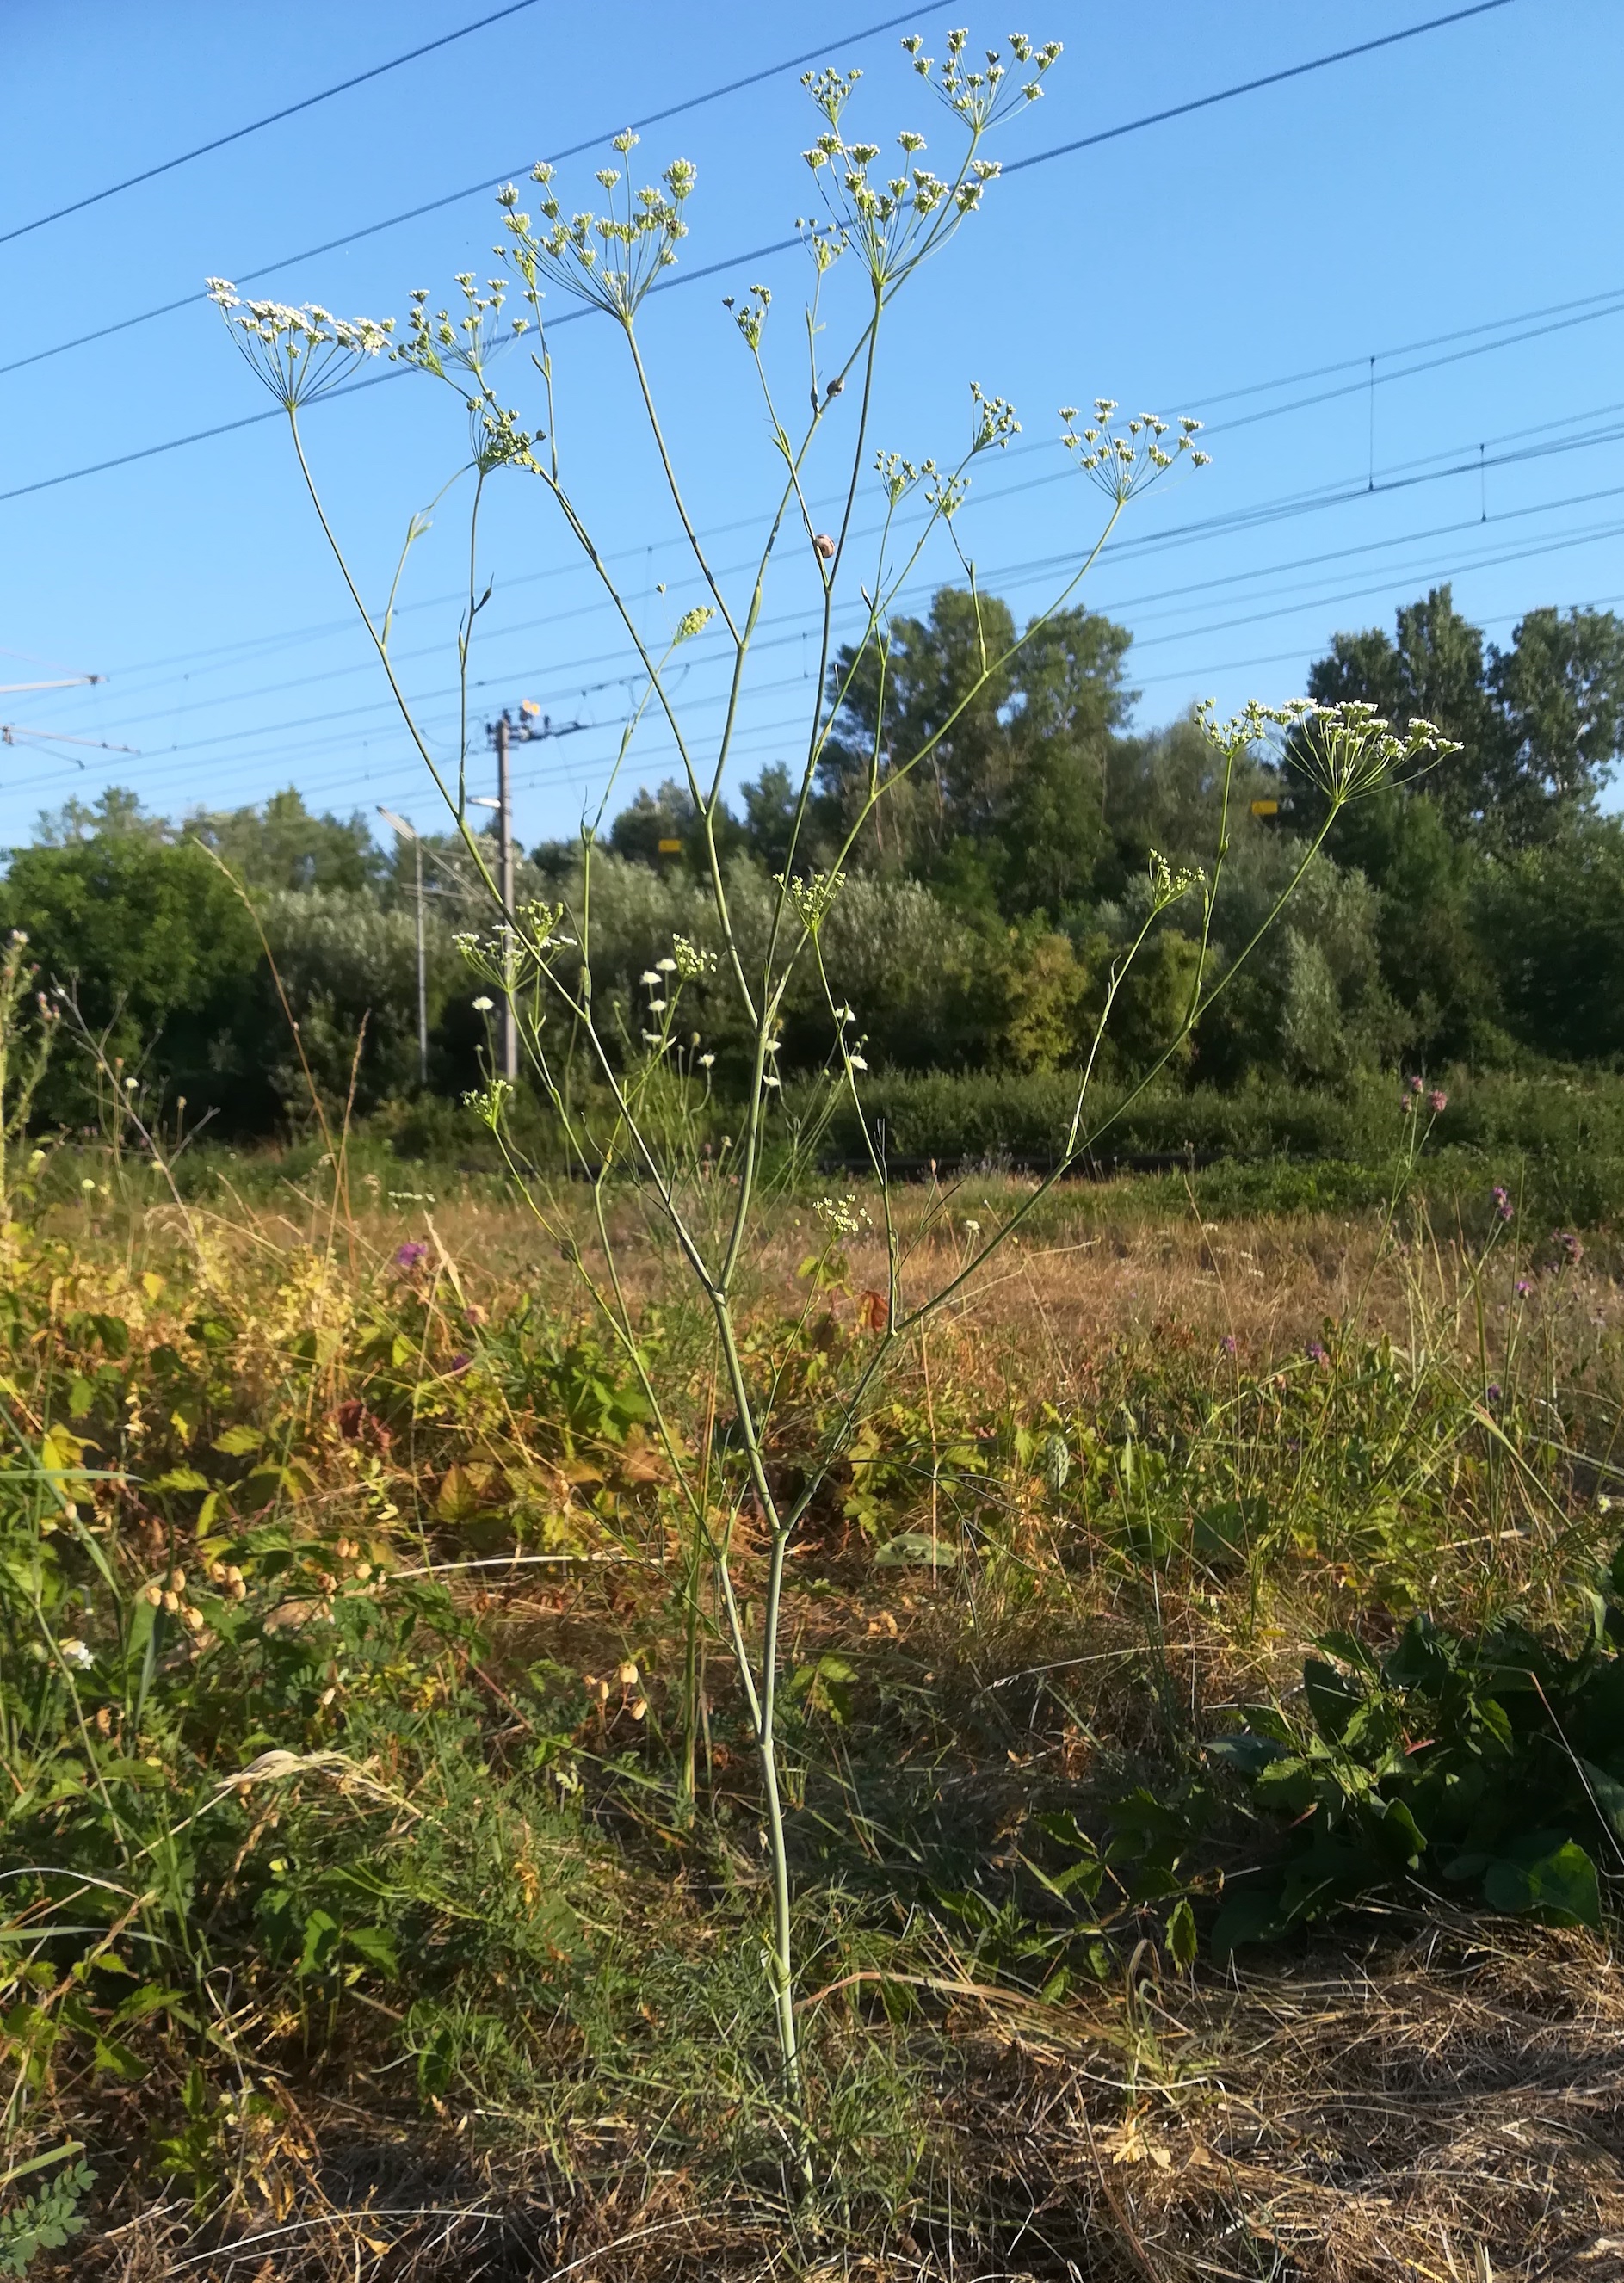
1541,725
1010,789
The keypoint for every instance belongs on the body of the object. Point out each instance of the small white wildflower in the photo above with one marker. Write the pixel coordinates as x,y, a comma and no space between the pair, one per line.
972,1229
482,1005
706,1061
841,1216
665,966
856,1062
769,1079
76,1652
690,962
651,978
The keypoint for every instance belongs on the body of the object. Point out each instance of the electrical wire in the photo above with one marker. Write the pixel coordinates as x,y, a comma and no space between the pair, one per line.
779,245
1005,578
468,190
256,126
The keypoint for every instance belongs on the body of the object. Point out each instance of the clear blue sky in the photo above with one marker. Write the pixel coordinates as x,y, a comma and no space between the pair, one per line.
1464,179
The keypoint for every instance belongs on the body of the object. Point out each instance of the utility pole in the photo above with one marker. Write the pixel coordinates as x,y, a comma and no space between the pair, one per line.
407,832
503,733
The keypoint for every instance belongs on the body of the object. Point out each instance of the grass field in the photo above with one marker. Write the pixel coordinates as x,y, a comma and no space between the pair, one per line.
383,1879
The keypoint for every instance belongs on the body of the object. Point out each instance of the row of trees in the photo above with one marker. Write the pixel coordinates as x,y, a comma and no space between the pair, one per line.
1476,914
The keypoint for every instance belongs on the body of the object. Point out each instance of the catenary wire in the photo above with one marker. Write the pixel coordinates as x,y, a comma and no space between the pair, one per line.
257,126
231,653
1006,578
785,244
468,190
1397,478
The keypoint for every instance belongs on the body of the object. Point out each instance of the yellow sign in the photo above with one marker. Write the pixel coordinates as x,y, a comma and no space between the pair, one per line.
670,847
1266,808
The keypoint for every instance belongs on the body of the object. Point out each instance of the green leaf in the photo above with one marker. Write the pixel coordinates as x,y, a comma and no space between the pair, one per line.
825,1686
115,2057
1608,1792
1333,1698
1247,1753
375,1946
1249,1914
914,1549
1065,1828
1182,1938
180,1478
321,1941
237,1441
1560,1887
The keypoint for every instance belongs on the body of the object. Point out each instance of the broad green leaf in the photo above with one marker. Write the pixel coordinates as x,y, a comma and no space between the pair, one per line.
1182,1938
1560,1887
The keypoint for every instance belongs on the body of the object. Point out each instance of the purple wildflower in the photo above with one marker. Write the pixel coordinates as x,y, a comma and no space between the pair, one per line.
1438,1102
1503,1203
458,1363
1228,1344
1414,1084
1570,1245
409,1256
1523,1288
1493,1392
1315,1353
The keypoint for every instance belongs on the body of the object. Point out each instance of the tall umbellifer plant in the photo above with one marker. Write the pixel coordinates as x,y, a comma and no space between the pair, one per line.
634,1127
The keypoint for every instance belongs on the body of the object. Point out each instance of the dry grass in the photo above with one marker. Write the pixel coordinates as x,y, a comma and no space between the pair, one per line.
1448,2105
1442,2099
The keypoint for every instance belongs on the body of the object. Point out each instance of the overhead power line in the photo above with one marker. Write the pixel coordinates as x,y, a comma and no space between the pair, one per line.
756,253
782,634
469,190
261,645
257,126
1251,86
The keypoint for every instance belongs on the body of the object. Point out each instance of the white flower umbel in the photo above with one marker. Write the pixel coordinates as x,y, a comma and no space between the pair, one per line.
299,353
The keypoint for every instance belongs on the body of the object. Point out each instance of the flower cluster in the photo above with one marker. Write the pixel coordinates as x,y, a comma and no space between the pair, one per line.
979,97
898,477
1251,726
841,1216
811,896
1170,883
610,260
691,962
299,353
752,319
1123,460
489,1103
1349,749
468,341
994,420
900,214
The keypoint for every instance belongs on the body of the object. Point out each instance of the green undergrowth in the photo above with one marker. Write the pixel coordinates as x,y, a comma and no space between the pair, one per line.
369,1750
